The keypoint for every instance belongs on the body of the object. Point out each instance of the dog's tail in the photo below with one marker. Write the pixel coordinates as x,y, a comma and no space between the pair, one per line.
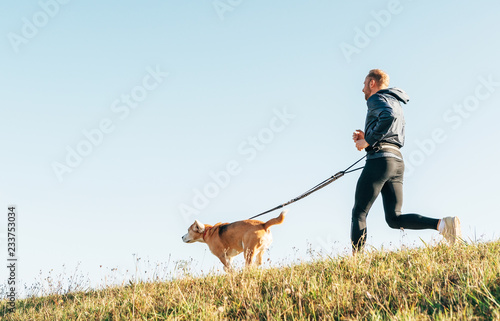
275,221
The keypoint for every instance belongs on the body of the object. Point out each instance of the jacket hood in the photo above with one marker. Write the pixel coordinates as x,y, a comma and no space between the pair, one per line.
397,93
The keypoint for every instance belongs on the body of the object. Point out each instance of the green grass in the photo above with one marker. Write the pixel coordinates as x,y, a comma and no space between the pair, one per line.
429,283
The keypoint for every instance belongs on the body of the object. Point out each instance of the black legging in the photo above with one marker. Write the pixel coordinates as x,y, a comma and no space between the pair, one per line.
383,175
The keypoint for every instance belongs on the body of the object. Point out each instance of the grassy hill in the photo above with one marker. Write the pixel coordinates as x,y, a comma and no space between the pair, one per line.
430,283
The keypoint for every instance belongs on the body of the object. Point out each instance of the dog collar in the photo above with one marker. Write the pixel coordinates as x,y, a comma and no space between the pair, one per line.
205,233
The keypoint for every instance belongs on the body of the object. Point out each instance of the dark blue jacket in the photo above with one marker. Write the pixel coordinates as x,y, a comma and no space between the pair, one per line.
385,121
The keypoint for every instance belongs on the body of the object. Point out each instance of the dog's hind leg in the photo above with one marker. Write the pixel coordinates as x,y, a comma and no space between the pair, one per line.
249,256
265,242
259,257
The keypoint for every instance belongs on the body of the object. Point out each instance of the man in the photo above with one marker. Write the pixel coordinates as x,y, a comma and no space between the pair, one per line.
383,173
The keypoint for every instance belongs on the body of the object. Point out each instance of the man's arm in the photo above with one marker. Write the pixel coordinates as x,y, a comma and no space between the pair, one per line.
357,135
361,144
359,138
384,122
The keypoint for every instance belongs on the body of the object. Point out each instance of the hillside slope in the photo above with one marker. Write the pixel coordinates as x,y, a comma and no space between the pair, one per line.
434,282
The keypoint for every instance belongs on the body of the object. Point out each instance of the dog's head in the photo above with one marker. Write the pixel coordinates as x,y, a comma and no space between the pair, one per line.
195,233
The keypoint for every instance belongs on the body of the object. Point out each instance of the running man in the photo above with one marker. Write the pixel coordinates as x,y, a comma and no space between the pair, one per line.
383,173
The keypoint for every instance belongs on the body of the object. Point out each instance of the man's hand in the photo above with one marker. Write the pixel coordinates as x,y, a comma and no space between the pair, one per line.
359,138
357,135
361,144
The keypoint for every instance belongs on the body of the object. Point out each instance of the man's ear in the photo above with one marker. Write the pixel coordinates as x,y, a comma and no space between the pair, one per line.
372,83
199,227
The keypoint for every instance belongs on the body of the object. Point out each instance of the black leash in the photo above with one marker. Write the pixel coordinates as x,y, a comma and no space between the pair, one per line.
316,188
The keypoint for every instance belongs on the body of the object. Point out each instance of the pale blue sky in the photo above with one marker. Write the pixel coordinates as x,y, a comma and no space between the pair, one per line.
226,80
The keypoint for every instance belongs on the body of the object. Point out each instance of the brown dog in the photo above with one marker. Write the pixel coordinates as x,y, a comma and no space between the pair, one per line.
226,240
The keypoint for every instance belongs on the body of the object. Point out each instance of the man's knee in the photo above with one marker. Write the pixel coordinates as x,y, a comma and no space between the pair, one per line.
393,222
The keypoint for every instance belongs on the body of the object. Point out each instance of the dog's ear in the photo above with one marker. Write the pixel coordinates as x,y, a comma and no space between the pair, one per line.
199,227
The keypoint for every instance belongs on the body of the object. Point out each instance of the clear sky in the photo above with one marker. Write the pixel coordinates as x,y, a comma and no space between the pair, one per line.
123,121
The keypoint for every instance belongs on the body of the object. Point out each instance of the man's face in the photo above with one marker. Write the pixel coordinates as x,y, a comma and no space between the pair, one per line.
366,89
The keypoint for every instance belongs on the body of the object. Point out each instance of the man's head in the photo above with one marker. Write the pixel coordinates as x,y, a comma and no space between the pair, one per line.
375,81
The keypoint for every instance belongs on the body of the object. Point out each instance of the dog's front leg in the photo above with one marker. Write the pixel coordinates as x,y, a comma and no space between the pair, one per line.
227,262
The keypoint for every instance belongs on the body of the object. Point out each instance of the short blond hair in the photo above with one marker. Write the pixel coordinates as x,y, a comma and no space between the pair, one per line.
380,77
